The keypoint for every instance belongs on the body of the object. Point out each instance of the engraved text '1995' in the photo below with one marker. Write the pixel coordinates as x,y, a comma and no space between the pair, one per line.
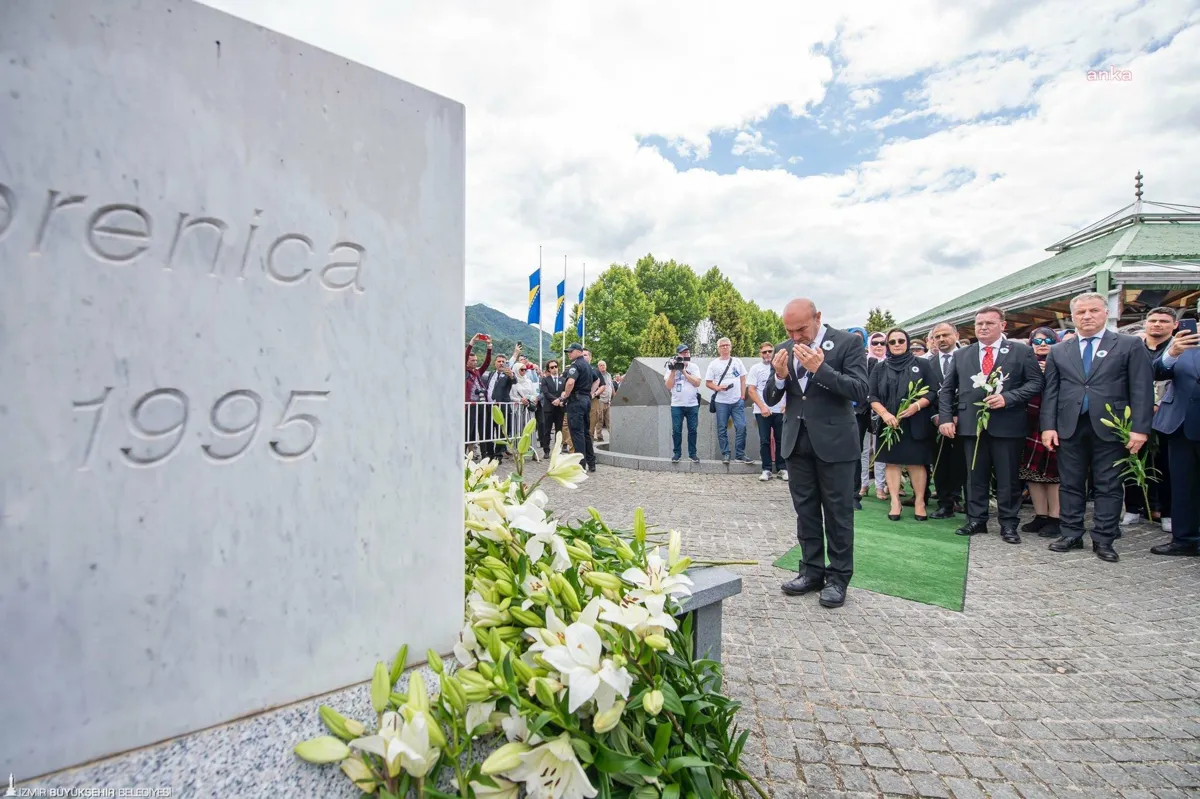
123,233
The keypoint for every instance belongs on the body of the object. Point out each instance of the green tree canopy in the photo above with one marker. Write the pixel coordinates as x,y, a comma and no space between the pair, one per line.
661,338
879,320
713,280
560,340
726,311
674,290
764,324
618,313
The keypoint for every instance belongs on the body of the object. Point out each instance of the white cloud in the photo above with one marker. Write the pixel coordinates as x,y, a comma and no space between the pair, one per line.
865,98
555,110
750,143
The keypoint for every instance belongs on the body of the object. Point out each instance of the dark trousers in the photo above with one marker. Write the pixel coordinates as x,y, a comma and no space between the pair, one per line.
1079,456
491,430
680,414
1001,457
824,504
1159,489
864,423
550,420
951,472
1185,488
579,422
766,426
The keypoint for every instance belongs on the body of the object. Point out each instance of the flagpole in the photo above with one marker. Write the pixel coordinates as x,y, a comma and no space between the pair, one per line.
540,361
564,341
583,310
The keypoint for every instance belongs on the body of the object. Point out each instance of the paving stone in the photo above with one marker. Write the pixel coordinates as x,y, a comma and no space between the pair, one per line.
965,703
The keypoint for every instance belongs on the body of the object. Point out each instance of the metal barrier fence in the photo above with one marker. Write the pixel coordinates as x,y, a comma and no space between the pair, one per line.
479,426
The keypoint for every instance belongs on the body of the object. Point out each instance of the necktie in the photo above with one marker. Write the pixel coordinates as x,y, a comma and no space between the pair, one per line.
1087,369
945,364
988,360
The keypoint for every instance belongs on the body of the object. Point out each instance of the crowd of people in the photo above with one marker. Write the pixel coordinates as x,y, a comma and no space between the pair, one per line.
1055,421
578,397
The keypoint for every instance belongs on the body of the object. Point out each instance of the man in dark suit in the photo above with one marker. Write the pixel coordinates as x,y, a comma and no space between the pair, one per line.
951,471
1178,419
1000,444
1084,378
551,415
822,372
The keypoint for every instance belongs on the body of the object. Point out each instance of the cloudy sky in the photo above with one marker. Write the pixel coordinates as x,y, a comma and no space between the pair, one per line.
862,153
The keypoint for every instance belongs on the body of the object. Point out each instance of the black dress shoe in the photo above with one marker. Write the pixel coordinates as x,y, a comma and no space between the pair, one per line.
894,517
972,528
1176,548
802,584
591,467
1066,543
1105,552
942,513
833,596
1035,525
1010,535
857,503
1052,528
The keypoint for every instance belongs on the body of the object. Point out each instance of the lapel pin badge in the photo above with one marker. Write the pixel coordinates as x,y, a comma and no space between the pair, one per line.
916,369
1004,350
828,345
1101,353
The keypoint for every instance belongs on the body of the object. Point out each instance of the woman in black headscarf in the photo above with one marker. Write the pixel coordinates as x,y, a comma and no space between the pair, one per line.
888,386
1039,465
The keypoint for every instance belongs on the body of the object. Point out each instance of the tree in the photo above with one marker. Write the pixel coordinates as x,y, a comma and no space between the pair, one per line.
713,281
560,340
879,320
726,311
675,291
661,338
764,324
617,316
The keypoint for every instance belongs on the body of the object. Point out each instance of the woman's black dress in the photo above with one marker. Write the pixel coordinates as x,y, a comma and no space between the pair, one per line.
888,386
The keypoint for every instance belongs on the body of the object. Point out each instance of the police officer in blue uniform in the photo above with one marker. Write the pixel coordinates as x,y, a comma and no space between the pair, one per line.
577,396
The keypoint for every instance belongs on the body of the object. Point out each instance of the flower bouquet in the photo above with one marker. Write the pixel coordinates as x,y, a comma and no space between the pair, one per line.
889,435
992,385
571,656
1137,466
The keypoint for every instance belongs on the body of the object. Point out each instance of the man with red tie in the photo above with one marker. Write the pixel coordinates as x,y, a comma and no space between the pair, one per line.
995,450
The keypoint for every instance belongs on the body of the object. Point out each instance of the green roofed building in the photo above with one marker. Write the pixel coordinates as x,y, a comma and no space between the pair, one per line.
1144,256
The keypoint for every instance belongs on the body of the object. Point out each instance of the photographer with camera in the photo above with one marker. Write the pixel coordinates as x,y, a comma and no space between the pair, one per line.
683,381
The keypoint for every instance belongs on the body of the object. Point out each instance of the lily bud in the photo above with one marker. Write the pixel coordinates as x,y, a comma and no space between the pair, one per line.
453,691
543,691
335,722
522,670
623,549
578,553
325,749
493,645
399,663
505,588
486,670
360,774
658,642
435,661
605,721
526,617
381,687
639,526
653,702
673,547
681,565
506,758
437,738
418,698
477,693
603,580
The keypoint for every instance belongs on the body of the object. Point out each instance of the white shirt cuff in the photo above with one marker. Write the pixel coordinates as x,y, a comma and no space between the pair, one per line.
1169,360
780,383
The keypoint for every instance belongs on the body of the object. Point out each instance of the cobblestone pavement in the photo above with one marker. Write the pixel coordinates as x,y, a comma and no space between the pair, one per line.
1064,676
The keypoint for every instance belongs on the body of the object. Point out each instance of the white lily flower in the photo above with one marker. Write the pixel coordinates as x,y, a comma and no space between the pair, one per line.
533,584
979,380
586,676
565,469
480,610
516,728
656,579
506,790
401,745
478,714
640,619
551,771
468,651
482,469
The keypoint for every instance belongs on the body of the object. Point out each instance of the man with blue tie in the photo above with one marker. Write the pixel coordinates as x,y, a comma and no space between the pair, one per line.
1178,419
1084,377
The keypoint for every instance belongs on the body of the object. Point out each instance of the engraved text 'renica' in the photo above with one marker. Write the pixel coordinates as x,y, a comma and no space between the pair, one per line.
123,233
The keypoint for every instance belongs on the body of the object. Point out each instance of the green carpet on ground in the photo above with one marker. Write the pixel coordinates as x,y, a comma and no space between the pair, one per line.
922,561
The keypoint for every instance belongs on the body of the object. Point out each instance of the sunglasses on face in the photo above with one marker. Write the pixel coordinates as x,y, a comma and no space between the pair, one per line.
767,352
1041,341
897,341
877,343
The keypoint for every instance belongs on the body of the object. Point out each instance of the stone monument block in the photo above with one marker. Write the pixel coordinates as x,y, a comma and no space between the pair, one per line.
229,477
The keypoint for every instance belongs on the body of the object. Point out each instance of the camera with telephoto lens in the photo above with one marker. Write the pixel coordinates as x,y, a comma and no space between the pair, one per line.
678,363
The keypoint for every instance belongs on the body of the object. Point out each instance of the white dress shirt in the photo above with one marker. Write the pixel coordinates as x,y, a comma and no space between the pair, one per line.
796,361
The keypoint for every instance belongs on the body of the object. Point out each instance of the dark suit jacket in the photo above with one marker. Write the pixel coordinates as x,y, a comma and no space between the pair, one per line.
922,423
503,390
936,360
826,406
1121,376
1180,407
550,392
1023,381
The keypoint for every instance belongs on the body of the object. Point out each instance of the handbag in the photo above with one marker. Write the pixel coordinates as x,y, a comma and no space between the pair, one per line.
712,403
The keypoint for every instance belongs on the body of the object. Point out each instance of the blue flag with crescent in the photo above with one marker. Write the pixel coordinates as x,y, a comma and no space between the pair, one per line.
558,310
535,297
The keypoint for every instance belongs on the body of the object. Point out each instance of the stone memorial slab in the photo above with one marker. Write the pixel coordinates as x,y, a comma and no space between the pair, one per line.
229,477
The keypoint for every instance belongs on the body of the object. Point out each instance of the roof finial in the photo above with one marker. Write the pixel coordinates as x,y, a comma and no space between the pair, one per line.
1137,184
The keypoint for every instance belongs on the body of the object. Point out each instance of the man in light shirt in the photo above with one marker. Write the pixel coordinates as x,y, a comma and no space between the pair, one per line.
683,381
768,417
726,378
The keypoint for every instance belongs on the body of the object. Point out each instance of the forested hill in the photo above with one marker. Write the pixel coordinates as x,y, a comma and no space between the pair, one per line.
504,330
